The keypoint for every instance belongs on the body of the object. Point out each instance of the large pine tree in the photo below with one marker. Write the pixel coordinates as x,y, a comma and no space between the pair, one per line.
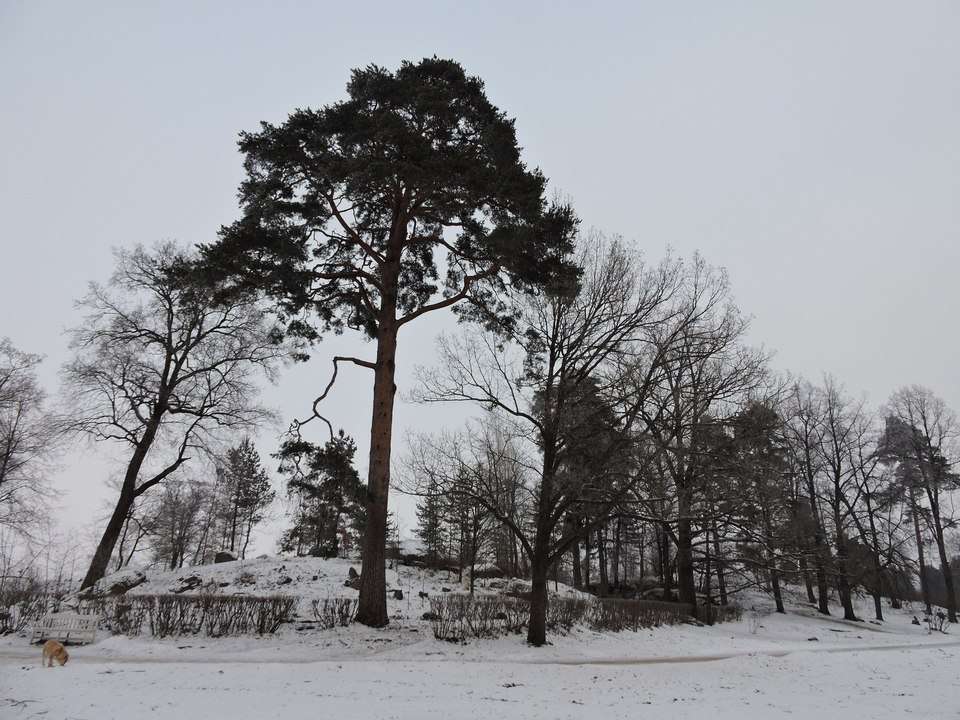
406,198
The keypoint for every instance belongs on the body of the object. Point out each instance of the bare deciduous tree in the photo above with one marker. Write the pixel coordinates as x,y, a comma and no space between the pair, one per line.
580,365
707,373
27,437
162,370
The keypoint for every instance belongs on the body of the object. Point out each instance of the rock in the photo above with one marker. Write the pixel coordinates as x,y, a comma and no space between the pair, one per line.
443,589
423,595
121,586
398,594
224,556
189,583
430,616
813,639
285,580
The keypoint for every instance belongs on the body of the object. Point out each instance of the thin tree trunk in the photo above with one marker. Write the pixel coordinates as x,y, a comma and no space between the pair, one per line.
604,588
945,564
577,577
721,580
807,578
616,553
924,588
819,548
707,594
843,579
586,562
772,564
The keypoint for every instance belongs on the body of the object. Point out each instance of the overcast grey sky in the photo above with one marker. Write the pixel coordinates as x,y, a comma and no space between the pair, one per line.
811,148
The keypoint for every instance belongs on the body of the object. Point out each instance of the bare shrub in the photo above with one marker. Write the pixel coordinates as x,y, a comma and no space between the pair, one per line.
334,612
22,601
564,613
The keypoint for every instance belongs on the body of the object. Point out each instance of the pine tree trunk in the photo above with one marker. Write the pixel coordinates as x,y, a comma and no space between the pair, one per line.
372,605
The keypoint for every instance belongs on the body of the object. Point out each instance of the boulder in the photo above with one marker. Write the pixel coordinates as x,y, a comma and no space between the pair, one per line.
224,556
128,583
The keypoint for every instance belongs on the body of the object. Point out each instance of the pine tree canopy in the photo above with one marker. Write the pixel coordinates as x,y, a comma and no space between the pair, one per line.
411,192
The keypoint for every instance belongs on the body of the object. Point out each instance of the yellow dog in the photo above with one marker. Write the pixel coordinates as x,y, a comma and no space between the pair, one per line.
53,650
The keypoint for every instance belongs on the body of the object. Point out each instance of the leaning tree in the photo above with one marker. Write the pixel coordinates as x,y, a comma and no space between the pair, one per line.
405,198
161,369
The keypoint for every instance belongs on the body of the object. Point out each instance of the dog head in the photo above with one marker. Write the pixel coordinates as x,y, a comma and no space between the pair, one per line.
62,657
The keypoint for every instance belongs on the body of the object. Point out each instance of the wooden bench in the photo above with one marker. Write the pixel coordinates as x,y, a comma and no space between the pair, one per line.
66,627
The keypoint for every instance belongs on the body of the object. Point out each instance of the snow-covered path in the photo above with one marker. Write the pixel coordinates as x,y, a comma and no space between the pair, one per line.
876,683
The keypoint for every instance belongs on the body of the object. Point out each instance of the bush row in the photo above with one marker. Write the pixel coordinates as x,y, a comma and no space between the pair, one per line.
212,615
456,616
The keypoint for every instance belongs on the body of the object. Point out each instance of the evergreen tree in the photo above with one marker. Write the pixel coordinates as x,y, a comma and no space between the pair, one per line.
431,520
246,494
331,502
349,211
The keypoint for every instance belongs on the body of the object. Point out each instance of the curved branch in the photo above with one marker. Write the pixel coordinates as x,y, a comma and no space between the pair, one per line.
326,391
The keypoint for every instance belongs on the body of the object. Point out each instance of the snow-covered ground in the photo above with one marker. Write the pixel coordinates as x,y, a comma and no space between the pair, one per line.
764,666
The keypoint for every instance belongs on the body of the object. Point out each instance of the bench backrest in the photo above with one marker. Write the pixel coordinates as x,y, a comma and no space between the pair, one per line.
67,626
